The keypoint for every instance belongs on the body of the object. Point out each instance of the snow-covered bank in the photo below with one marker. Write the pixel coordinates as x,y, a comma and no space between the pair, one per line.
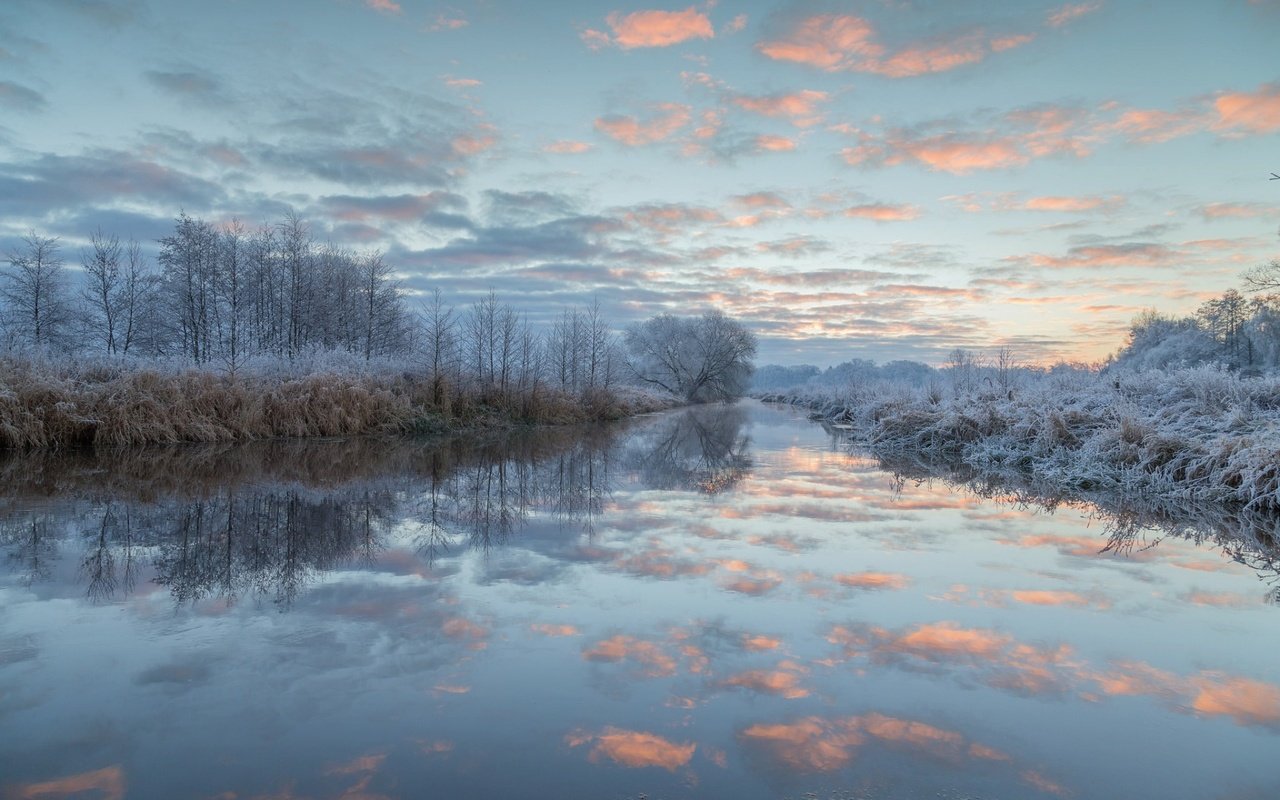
101,403
1191,435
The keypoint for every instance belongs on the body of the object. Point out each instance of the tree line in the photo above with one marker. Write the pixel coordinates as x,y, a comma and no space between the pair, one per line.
1238,330
224,295
218,294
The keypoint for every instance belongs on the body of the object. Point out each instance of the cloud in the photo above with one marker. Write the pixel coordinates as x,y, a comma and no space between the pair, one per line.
634,749
99,177
756,200
432,208
1130,254
1072,204
447,21
1069,13
820,744
567,147
384,6
112,13
188,84
1240,113
794,247
801,107
555,631
783,682
651,28
655,662
775,144
666,120
843,42
1152,126
475,142
829,42
20,97
735,25
1215,211
108,783
883,212
872,580
1009,201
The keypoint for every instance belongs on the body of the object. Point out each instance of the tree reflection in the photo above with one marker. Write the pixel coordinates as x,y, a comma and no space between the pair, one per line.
699,449
265,520
1131,523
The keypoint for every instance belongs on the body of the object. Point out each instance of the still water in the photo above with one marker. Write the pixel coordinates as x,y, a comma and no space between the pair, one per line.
721,603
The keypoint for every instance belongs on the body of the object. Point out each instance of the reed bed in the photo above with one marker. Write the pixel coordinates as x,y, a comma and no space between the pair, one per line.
71,404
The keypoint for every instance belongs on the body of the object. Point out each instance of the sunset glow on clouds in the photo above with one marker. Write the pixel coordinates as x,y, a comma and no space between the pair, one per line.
1020,166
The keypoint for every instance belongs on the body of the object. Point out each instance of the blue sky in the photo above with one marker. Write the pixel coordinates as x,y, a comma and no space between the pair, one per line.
883,179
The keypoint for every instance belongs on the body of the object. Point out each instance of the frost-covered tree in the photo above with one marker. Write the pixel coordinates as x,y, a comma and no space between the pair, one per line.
701,359
35,292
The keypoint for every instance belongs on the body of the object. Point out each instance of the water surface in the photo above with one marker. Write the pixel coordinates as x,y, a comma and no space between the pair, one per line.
721,602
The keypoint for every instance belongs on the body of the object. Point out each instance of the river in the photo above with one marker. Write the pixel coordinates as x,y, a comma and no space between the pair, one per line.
717,602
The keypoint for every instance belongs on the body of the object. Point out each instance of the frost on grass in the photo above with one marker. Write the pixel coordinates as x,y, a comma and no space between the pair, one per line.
1188,436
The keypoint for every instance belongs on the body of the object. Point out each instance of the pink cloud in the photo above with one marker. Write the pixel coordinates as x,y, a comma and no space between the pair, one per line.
1061,203
634,132
801,107
872,580
843,42
470,144
956,154
1001,43
1234,210
926,58
1109,255
784,683
567,147
108,783
634,749
384,6
829,42
775,144
654,661
1069,13
883,212
1248,112
1152,126
652,28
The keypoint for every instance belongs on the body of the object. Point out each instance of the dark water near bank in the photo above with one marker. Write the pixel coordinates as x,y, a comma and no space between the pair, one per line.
717,603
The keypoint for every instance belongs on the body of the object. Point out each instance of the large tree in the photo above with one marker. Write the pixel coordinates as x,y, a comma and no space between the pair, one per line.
701,359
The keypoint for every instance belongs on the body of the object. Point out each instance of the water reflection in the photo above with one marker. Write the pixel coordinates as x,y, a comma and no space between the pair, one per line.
266,519
721,602
1132,524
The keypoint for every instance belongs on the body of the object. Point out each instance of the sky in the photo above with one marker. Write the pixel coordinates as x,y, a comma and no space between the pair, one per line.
882,179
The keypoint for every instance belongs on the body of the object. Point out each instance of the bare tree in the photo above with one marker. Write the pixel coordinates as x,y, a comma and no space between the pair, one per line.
138,289
1264,278
35,290
700,359
101,290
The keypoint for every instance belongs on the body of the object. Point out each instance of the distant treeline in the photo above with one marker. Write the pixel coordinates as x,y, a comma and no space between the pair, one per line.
1238,332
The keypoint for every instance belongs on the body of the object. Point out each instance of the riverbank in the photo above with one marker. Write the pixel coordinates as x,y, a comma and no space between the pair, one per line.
72,404
1187,436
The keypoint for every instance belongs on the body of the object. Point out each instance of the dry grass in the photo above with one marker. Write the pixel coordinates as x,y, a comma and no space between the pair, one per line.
59,406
